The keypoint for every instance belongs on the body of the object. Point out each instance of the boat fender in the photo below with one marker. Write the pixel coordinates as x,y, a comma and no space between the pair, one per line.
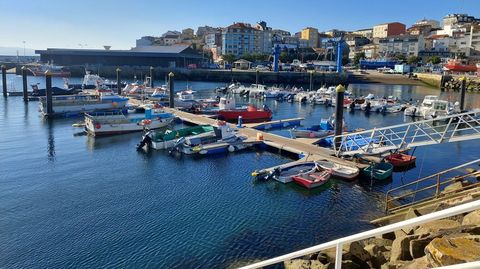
231,148
98,126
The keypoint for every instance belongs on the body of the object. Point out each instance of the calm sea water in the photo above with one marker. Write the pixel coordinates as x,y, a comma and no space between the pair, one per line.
69,200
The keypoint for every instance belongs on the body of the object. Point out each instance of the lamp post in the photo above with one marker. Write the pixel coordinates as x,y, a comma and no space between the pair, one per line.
171,91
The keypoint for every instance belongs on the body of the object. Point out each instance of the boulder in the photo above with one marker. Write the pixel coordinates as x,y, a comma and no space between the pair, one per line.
401,249
393,265
436,226
380,242
372,249
349,264
357,250
411,213
417,263
323,258
314,264
453,187
472,218
450,251
297,264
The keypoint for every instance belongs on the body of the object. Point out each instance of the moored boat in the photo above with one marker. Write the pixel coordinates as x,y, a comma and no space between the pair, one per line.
313,179
166,139
251,114
379,171
109,123
338,170
399,160
284,173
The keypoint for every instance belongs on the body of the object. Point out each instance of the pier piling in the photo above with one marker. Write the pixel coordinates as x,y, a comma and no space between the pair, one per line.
339,113
311,81
151,76
4,80
24,80
463,89
256,76
171,91
119,86
48,93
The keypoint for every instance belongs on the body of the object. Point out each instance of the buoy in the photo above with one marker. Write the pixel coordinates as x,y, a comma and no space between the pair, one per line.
231,148
98,126
259,136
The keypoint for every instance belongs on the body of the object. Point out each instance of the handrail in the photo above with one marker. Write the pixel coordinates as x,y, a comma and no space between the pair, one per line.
467,207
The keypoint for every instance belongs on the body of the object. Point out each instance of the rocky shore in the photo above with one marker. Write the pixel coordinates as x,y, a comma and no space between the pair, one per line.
438,243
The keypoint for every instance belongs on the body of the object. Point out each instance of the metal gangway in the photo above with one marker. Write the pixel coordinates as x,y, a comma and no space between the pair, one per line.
452,128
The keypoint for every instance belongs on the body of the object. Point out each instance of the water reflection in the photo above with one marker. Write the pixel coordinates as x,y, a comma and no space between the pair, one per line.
49,122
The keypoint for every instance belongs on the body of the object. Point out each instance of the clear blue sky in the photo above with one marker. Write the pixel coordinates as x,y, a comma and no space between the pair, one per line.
68,23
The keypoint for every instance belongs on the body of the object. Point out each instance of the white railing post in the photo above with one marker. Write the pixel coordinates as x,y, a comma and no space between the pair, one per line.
338,256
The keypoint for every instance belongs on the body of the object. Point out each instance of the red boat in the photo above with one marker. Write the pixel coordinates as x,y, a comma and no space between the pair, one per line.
456,65
401,160
313,180
251,114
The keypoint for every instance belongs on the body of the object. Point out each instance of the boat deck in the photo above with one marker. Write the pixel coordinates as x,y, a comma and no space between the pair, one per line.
303,147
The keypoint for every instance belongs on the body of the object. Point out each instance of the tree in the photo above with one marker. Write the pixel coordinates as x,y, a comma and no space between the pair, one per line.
413,60
435,60
283,56
358,56
400,57
229,58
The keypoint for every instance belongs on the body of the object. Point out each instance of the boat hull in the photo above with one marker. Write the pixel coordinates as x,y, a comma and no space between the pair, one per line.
312,180
401,160
381,171
106,128
247,116
340,171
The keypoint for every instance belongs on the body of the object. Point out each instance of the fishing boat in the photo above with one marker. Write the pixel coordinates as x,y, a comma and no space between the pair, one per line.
166,139
102,99
36,92
457,65
432,107
284,173
338,170
313,179
379,171
251,114
399,160
109,123
39,70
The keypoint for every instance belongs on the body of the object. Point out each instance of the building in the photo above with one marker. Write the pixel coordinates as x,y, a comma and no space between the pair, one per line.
310,34
264,37
388,29
146,41
239,38
370,50
426,22
187,33
157,56
368,33
202,30
335,33
354,42
474,41
171,38
423,27
406,45
452,19
281,33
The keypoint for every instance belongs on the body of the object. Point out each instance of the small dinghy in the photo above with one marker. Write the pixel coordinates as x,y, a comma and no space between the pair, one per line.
313,179
379,171
339,171
399,160
284,173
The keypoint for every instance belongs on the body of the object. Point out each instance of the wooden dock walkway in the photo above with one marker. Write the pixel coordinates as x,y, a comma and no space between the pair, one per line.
301,147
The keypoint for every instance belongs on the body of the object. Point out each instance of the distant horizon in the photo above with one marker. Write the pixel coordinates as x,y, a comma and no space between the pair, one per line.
78,25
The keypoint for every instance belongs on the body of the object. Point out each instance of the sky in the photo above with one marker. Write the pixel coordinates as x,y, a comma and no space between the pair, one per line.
118,23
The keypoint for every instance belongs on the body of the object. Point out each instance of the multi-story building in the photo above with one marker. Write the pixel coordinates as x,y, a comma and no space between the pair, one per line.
239,38
452,19
406,45
202,30
370,50
335,33
310,34
171,38
354,42
187,33
474,41
303,43
368,33
281,33
388,29
147,41
264,37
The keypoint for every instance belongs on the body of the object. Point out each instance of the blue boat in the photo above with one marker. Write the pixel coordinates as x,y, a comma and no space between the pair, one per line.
325,128
350,143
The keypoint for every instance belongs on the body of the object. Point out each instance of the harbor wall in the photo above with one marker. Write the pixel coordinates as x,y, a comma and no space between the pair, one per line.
434,80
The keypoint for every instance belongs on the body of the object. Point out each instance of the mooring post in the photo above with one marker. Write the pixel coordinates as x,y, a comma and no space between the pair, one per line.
240,122
4,80
119,85
256,76
311,81
151,76
339,114
24,80
171,91
462,92
48,93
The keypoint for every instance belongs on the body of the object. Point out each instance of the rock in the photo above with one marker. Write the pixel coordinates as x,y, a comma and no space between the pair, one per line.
380,242
453,187
297,264
323,258
401,249
393,265
314,264
348,264
436,225
400,233
417,263
411,213
471,170
417,246
372,249
357,250
472,218
445,251
390,236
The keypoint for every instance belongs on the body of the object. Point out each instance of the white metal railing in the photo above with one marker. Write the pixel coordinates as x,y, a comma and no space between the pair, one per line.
338,243
453,128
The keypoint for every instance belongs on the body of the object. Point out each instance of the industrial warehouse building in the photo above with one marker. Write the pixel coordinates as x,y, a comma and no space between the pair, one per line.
157,56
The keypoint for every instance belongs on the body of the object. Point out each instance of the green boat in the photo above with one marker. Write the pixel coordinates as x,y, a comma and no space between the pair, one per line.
166,139
380,171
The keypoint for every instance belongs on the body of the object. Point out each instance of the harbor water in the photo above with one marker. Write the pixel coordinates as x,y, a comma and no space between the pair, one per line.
71,200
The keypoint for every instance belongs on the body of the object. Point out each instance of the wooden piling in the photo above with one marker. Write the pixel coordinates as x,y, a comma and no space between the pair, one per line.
24,80
119,85
151,76
171,90
463,89
339,113
48,93
4,80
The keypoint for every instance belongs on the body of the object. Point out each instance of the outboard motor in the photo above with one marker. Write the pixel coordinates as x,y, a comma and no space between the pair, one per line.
352,105
368,107
147,140
177,145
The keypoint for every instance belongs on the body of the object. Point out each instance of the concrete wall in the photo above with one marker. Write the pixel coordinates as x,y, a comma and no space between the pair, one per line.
434,80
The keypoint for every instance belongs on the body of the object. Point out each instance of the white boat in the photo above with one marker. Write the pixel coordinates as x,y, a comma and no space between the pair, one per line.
256,90
102,99
167,139
109,123
432,107
340,171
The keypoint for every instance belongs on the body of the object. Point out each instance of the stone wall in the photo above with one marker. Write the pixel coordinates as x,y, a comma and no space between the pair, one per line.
433,80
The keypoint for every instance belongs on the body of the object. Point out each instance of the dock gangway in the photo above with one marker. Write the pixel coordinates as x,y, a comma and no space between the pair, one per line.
377,141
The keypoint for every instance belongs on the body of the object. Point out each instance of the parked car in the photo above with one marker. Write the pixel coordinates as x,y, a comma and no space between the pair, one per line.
261,68
192,66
